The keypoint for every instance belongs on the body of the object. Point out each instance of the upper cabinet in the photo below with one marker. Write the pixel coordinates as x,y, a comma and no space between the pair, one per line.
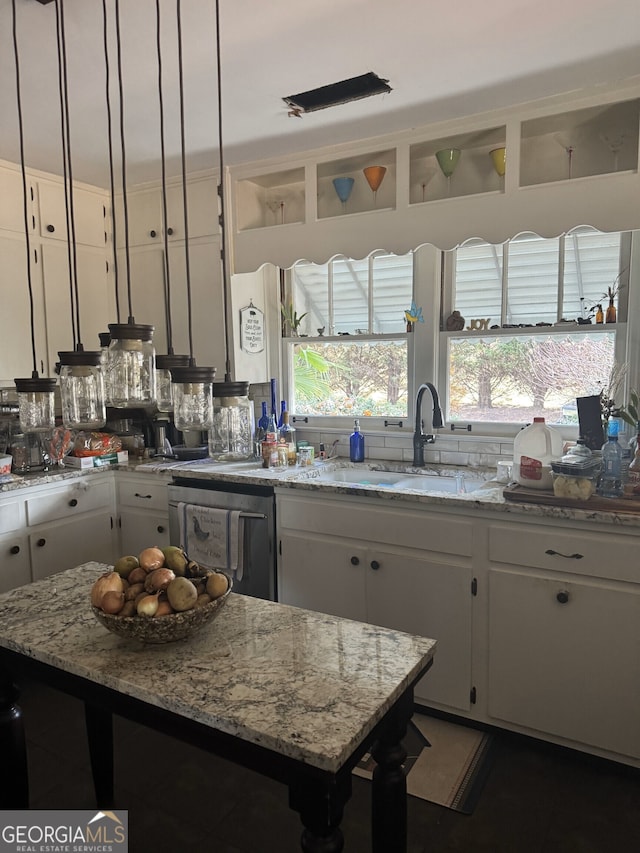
545,168
89,214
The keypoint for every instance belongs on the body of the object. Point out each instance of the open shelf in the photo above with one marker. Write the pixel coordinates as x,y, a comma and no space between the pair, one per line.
269,200
361,197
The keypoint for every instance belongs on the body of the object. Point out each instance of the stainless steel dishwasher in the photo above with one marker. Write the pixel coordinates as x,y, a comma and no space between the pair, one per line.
259,564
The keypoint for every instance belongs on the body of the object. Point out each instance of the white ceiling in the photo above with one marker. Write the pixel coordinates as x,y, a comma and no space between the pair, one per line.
442,60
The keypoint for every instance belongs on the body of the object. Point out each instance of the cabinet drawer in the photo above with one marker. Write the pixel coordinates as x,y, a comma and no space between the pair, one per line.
65,502
148,493
604,555
390,526
11,515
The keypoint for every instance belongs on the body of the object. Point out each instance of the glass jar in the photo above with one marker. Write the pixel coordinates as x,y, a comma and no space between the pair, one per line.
36,406
131,365
105,340
231,436
164,385
193,397
82,390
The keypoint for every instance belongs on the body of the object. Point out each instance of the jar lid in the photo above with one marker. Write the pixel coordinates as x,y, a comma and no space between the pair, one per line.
166,362
86,359
131,332
40,385
193,374
230,389
105,338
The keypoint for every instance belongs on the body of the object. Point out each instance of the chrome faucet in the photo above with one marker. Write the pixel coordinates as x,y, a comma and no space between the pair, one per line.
419,438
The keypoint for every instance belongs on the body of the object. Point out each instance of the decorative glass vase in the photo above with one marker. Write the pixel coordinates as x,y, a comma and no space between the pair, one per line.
610,316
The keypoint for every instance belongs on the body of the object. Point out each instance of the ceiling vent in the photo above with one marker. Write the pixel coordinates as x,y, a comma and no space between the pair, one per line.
338,93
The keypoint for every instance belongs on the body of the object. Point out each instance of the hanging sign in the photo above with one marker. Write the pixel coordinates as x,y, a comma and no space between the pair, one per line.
251,328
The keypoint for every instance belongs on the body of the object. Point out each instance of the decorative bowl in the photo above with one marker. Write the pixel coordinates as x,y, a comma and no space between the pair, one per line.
163,629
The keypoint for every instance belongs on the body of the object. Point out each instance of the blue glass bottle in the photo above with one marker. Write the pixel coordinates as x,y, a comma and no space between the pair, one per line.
356,444
283,409
263,422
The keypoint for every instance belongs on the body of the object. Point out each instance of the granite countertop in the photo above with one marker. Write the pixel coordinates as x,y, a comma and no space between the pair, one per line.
306,685
489,496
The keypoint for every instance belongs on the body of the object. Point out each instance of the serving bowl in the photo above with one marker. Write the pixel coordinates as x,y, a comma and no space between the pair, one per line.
163,629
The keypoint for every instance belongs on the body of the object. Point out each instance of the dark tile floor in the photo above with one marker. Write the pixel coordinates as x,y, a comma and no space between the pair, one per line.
537,798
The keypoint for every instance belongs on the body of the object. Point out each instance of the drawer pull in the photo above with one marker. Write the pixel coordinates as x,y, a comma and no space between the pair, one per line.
553,553
73,502
144,497
355,561
15,549
375,565
41,543
563,597
160,528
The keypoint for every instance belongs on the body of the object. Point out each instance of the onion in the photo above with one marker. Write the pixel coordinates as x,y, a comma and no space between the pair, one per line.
134,591
105,583
112,601
151,558
158,579
137,575
148,605
164,608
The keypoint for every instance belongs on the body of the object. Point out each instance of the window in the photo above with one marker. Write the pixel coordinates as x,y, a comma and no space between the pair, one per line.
352,355
541,288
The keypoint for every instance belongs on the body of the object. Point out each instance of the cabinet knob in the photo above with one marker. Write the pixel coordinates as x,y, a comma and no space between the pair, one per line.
563,596
375,565
153,233
51,228
169,231
41,543
355,561
73,502
15,549
160,528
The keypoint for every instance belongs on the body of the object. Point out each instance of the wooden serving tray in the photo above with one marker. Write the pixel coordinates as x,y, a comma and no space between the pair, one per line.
521,494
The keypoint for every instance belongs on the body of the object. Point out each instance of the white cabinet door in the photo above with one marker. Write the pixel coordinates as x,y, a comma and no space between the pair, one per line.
432,599
15,565
323,574
140,529
93,288
11,201
564,657
89,210
66,544
15,341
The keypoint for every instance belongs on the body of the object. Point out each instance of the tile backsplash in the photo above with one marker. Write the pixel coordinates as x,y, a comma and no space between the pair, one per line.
447,450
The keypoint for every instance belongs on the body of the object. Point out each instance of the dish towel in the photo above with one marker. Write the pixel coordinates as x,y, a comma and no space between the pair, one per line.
213,537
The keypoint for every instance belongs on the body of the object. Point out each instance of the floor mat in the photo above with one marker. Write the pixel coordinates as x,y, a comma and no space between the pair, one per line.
446,763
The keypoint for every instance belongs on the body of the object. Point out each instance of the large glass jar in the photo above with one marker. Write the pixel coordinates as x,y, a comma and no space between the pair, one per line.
193,397
36,406
82,390
164,385
132,365
105,340
231,436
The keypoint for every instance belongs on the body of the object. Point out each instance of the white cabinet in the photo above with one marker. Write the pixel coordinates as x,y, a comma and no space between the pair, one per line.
143,512
70,523
11,200
564,657
15,565
89,209
387,567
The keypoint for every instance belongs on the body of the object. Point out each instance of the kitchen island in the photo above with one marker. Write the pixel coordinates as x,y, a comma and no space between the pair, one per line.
296,695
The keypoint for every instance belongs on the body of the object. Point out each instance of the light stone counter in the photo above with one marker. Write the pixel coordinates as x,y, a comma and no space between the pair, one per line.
305,685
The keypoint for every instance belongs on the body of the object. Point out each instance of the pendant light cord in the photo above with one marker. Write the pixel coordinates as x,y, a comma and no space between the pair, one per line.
221,217
68,171
107,69
184,180
167,272
25,211
125,207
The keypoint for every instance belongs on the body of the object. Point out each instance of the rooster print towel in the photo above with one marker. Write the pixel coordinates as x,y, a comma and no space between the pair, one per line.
213,537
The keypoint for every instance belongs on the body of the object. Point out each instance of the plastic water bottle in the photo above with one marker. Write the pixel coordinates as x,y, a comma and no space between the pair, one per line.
356,444
610,485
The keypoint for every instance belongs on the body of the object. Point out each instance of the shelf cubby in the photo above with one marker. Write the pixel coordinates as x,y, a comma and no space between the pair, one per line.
361,199
271,200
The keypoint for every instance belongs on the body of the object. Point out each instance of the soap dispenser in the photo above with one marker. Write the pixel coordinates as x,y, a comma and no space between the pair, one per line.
356,444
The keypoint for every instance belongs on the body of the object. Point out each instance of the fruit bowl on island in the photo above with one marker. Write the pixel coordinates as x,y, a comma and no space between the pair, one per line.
143,599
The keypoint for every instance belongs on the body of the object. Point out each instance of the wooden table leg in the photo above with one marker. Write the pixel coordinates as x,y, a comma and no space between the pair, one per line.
389,788
320,804
14,778
100,738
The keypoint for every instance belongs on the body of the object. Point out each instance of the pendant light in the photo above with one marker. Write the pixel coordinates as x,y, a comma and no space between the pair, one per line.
81,376
131,357
35,395
192,385
170,361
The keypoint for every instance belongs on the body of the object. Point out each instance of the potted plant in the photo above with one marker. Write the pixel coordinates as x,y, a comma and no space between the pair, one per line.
292,319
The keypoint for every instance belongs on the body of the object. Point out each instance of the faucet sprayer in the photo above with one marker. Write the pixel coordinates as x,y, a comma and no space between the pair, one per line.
419,438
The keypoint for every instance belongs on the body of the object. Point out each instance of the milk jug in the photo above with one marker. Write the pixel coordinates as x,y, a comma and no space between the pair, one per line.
534,448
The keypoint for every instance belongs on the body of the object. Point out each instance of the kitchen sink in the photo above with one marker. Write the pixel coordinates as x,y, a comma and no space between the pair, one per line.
459,483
